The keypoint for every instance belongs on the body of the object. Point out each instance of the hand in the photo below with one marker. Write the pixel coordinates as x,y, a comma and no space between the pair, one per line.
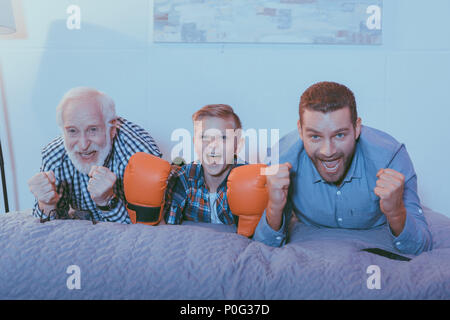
278,185
389,187
43,187
101,185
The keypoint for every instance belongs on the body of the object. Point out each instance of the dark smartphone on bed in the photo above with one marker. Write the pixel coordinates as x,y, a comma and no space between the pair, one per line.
386,254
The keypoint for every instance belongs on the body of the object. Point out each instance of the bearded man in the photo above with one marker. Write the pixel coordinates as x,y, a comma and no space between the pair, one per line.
82,170
336,173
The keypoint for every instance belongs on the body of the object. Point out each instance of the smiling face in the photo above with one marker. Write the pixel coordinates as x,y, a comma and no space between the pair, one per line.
216,143
329,140
87,139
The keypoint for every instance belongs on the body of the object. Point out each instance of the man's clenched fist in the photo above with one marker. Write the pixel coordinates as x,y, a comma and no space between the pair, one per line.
43,187
101,184
389,187
277,185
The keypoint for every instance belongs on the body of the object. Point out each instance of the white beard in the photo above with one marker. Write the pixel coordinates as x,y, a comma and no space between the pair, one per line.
102,154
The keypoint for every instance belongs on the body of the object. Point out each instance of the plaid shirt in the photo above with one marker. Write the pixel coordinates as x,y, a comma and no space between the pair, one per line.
72,184
187,197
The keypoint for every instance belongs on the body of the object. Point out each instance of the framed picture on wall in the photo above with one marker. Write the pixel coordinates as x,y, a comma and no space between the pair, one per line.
356,22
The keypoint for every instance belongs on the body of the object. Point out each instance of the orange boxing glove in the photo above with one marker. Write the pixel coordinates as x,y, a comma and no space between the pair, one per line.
247,196
145,182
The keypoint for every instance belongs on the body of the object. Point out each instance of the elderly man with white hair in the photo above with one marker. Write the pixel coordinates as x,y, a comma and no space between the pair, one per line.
82,171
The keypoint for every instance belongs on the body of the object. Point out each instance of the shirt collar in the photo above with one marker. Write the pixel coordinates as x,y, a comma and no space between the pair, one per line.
355,167
315,174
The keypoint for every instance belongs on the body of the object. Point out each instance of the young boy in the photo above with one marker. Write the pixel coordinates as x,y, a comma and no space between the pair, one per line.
198,190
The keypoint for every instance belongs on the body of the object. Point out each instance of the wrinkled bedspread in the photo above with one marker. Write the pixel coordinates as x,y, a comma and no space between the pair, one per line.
204,261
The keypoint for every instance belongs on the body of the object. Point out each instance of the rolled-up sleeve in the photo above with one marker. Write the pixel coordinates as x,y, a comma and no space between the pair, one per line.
414,238
275,238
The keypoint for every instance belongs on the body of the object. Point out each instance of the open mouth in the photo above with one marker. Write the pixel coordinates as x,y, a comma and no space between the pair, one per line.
331,166
87,155
214,158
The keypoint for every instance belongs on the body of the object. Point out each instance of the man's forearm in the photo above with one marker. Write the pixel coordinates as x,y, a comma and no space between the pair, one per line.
274,217
397,222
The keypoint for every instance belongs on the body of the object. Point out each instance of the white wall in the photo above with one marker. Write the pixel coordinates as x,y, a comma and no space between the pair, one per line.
401,87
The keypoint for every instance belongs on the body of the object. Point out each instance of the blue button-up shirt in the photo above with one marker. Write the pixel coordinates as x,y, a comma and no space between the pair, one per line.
353,204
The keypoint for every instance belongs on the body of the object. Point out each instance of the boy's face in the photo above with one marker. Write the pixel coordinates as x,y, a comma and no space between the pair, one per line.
216,143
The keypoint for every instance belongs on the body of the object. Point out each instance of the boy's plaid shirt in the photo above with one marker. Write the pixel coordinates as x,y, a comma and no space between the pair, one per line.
187,197
72,184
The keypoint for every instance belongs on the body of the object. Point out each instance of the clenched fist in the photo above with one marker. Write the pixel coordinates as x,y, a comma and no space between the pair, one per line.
101,185
389,187
277,185
43,187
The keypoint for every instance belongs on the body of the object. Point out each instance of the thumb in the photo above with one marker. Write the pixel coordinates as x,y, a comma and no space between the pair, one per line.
51,177
288,164
91,172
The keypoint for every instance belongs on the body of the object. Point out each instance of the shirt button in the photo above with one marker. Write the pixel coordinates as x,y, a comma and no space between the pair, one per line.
398,243
420,210
340,219
278,238
338,193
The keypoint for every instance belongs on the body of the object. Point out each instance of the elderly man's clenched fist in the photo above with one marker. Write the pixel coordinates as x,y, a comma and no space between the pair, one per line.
43,187
101,185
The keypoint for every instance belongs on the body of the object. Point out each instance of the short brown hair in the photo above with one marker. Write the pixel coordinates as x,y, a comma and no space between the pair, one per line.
328,97
222,111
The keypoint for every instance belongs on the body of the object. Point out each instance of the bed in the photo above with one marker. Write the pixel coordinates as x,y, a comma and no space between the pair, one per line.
203,261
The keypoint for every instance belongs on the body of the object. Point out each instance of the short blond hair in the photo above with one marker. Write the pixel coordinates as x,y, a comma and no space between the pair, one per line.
222,111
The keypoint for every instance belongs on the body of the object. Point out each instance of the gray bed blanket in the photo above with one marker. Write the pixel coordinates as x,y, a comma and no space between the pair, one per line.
204,261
